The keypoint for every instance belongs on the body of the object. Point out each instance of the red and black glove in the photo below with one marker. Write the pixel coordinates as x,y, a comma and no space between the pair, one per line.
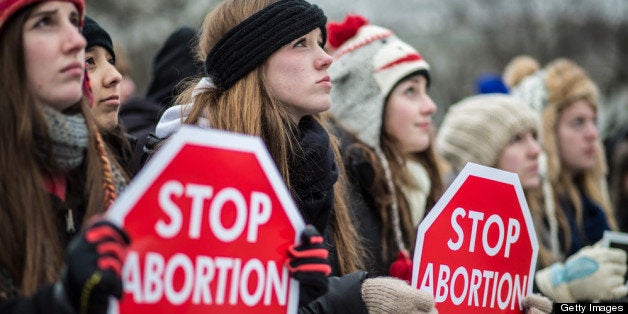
309,265
93,267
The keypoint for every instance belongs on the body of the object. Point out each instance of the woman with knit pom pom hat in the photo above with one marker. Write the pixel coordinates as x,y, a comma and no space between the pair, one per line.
575,209
383,115
57,175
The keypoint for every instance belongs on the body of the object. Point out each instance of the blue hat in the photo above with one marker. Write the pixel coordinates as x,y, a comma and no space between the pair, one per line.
490,83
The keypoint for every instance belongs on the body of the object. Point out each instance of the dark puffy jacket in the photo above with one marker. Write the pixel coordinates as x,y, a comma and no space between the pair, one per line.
360,174
43,301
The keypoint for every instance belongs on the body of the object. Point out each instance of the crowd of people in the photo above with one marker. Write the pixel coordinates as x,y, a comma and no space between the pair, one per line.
344,110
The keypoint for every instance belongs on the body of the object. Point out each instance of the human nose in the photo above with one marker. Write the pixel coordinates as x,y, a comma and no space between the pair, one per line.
428,107
324,60
591,132
534,147
113,76
74,41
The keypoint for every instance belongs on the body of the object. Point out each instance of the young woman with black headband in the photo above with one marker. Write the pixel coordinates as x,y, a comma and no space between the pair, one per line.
267,76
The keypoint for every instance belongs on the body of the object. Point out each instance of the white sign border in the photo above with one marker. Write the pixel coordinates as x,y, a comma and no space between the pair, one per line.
473,169
194,135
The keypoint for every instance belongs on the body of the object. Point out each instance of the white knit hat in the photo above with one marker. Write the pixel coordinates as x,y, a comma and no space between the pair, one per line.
367,66
478,128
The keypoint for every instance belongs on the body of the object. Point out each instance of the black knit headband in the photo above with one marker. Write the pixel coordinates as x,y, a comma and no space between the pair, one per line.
248,44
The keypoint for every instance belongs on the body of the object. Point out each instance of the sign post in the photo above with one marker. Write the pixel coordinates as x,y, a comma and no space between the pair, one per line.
210,221
476,250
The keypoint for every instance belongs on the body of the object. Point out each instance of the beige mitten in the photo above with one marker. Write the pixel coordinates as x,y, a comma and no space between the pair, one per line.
593,273
392,295
537,304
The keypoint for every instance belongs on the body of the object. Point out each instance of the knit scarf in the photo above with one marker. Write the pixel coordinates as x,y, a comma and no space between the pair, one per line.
416,193
69,137
313,173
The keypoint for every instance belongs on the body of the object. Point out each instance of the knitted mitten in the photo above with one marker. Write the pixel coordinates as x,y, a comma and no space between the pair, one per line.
309,264
93,268
391,295
537,304
593,273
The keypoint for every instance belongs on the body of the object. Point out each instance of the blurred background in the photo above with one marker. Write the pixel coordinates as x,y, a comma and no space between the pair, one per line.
461,39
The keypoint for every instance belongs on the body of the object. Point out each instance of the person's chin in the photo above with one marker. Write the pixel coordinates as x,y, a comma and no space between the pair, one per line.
531,183
588,165
421,144
112,121
322,107
107,121
70,98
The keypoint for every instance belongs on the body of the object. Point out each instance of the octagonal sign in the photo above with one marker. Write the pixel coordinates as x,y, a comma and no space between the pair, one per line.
210,221
476,250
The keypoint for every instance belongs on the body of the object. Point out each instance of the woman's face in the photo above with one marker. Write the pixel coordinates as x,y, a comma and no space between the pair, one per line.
521,156
105,81
408,116
297,75
577,136
54,54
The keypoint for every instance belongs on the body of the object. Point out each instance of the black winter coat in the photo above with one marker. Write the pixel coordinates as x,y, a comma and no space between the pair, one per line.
360,174
43,301
314,172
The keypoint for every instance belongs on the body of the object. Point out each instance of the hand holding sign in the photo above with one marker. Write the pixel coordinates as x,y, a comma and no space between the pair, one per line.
212,222
93,267
593,273
309,265
393,295
537,304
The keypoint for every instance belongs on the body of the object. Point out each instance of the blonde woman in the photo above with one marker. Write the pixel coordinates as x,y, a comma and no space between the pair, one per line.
575,208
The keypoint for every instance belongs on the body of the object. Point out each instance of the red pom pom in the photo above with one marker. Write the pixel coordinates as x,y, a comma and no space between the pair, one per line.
338,33
402,267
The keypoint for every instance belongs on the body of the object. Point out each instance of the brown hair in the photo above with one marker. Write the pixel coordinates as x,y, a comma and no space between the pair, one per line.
247,107
397,163
31,251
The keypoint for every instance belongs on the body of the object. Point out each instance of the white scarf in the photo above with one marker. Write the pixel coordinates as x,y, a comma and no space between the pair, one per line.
172,119
416,193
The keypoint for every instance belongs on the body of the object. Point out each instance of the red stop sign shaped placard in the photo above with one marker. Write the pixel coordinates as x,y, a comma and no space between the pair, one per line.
210,221
476,250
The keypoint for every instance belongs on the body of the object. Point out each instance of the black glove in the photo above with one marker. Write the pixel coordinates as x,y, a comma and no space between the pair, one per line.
309,265
93,267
